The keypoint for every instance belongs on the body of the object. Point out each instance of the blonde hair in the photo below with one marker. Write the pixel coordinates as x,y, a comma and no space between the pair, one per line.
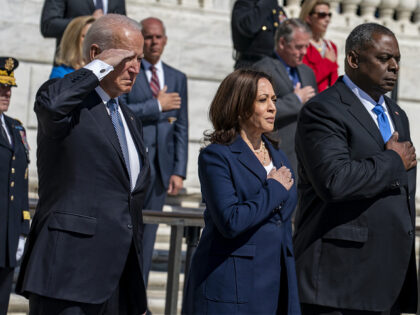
69,52
308,7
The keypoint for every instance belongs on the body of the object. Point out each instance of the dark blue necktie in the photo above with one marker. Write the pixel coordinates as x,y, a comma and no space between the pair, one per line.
293,75
99,5
383,122
119,129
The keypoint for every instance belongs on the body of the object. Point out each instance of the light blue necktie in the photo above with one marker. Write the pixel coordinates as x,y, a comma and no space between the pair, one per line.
383,122
119,129
293,75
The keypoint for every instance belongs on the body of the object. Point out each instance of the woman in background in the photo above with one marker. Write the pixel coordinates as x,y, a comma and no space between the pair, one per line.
322,53
69,53
244,261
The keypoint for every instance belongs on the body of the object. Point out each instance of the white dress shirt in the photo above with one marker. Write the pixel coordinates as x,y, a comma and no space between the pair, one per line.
4,126
368,102
105,5
101,69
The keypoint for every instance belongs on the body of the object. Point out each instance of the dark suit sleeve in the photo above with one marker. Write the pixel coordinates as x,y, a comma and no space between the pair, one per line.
249,16
57,100
181,132
53,21
147,111
231,216
323,146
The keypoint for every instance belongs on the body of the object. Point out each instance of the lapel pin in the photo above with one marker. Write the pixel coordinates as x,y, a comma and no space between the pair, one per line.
171,120
397,113
131,117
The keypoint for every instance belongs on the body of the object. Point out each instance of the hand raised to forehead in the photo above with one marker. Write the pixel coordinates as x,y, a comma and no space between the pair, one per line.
115,56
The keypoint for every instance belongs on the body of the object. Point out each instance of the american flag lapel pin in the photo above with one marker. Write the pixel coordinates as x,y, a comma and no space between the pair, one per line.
397,113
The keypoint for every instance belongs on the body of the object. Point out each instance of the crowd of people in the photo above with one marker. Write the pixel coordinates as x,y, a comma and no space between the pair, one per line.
290,139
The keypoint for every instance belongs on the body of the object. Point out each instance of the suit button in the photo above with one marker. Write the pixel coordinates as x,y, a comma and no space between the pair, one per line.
14,158
12,198
12,184
13,170
130,226
410,233
278,223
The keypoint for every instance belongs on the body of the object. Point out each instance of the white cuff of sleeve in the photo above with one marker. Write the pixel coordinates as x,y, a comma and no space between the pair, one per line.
99,68
160,106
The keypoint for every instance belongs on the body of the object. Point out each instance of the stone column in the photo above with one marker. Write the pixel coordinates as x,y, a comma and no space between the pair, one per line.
386,9
368,8
350,6
334,5
417,12
404,10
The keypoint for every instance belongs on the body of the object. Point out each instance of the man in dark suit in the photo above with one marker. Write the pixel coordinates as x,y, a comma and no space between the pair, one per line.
354,227
14,214
83,254
294,82
159,100
57,14
254,23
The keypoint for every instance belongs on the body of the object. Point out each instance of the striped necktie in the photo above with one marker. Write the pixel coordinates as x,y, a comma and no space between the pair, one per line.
119,130
154,82
383,122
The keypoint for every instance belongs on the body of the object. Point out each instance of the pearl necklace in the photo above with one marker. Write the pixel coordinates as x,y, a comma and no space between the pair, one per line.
262,150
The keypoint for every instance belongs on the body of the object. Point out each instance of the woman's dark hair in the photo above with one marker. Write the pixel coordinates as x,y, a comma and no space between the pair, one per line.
233,102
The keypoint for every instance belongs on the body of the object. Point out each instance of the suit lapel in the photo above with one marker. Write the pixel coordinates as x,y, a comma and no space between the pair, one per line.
394,113
92,5
248,158
169,80
144,83
281,69
359,112
277,161
104,121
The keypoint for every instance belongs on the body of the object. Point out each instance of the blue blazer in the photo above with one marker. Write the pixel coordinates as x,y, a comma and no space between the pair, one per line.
236,268
165,134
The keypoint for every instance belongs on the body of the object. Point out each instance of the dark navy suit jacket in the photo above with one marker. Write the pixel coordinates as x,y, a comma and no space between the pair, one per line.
236,268
87,217
165,134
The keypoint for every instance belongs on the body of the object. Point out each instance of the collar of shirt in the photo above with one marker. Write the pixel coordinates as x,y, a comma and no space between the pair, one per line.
283,62
103,95
159,72
3,122
366,100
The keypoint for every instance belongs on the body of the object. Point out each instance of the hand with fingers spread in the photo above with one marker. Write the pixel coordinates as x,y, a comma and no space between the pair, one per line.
405,150
169,101
283,175
304,93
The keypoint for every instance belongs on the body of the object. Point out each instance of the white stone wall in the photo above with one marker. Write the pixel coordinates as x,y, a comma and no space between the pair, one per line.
200,45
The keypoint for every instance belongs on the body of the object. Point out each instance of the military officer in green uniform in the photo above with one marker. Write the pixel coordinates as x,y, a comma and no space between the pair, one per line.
14,214
254,23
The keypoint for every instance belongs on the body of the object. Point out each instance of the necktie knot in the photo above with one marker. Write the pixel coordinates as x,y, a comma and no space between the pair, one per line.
152,68
112,105
378,109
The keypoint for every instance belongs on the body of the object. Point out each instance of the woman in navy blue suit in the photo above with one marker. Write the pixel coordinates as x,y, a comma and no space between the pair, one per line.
244,261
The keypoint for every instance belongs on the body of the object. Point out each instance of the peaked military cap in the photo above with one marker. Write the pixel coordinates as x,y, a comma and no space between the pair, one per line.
7,66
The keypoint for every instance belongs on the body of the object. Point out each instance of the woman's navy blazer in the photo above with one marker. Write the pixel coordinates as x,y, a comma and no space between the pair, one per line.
247,239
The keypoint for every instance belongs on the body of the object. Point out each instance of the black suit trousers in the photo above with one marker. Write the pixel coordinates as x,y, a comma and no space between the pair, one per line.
6,280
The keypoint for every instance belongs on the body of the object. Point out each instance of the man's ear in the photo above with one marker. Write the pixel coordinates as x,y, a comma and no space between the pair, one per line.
353,59
94,51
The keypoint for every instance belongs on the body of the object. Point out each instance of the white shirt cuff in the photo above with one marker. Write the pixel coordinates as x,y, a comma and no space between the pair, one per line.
160,106
99,68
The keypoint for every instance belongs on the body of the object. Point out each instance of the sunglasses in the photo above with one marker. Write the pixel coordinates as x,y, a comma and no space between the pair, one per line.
322,15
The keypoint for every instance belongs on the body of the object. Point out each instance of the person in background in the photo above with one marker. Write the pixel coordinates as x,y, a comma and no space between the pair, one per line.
244,260
355,222
57,14
254,23
69,54
159,100
14,207
322,53
294,82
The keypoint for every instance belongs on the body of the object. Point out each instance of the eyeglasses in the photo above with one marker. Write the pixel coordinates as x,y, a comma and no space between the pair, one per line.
322,15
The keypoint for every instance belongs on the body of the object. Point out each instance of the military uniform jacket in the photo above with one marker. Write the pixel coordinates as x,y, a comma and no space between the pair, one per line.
254,23
87,217
14,217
